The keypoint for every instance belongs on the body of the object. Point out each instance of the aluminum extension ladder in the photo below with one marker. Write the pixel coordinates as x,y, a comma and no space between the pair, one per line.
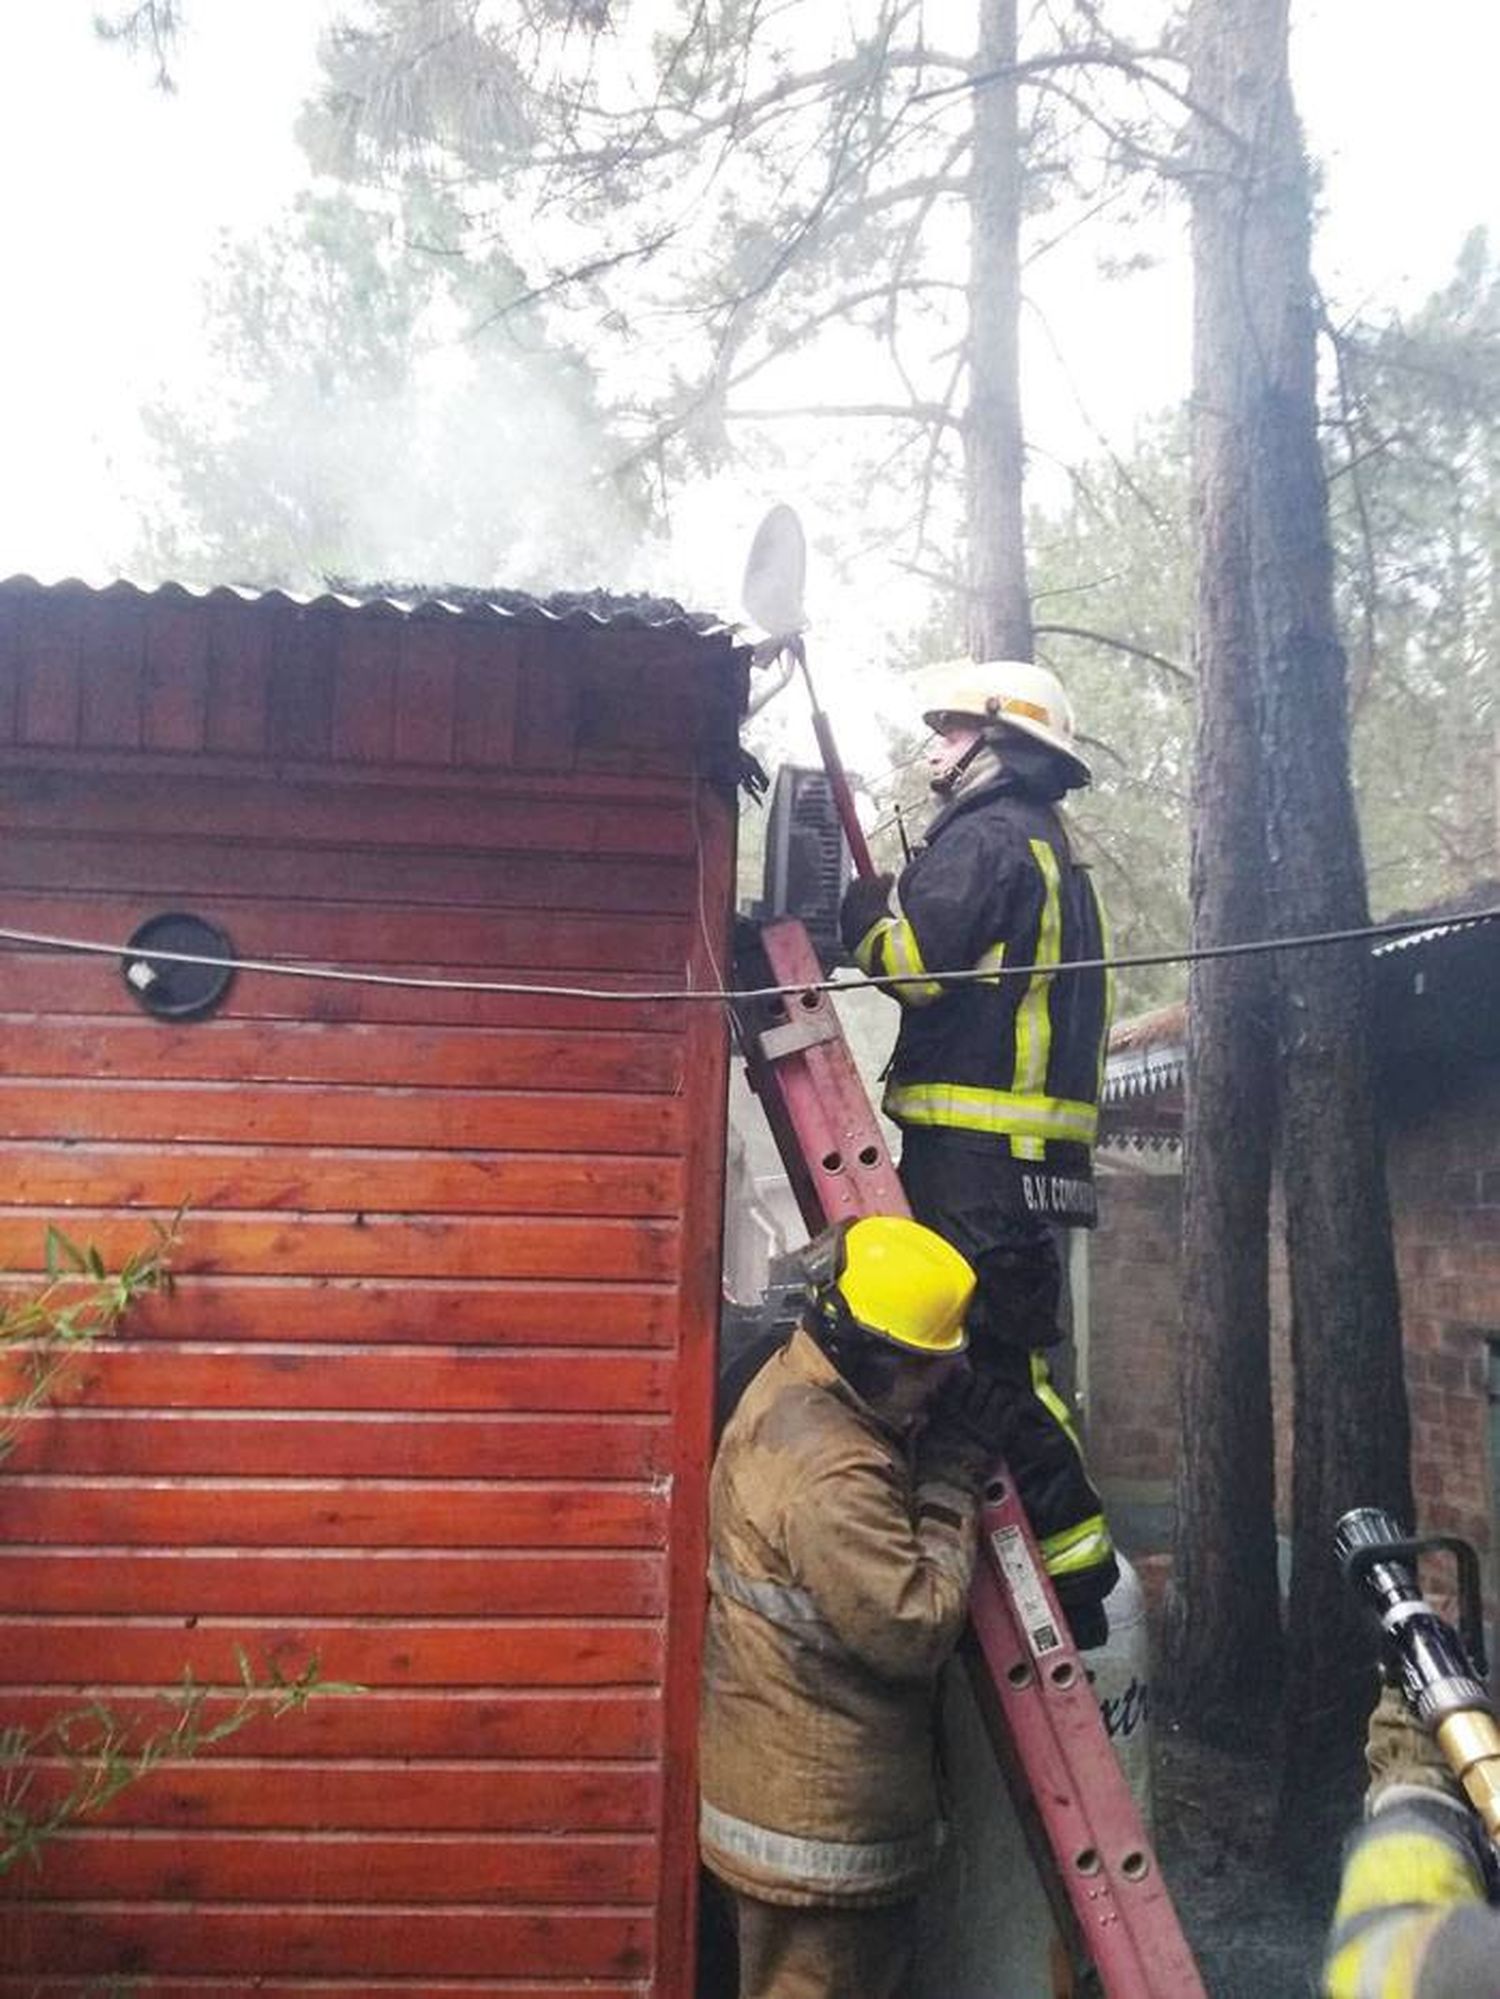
1088,1839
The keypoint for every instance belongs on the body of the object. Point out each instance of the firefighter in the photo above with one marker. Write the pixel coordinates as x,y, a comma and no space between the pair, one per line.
1412,1920
995,1083
842,1534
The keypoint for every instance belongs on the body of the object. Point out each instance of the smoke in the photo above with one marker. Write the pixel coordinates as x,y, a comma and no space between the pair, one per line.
348,424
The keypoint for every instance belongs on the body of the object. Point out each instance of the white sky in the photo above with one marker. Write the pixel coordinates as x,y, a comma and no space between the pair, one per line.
116,198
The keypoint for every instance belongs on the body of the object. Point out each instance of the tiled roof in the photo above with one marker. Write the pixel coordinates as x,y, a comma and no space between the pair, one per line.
1147,1054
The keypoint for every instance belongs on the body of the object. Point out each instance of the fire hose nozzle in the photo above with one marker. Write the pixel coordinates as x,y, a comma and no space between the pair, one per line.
1440,1673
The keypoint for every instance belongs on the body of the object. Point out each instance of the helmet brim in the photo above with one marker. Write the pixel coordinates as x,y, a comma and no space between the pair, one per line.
957,1341
1077,769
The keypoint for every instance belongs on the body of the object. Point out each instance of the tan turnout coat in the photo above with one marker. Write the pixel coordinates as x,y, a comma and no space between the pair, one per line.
839,1578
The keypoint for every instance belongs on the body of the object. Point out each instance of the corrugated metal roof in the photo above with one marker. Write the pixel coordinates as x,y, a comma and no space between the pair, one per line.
1148,1054
597,609
1439,930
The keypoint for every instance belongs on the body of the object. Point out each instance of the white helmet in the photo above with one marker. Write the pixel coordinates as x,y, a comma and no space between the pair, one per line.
1011,693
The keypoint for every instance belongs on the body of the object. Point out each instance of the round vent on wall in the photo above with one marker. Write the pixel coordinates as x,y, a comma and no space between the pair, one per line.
170,990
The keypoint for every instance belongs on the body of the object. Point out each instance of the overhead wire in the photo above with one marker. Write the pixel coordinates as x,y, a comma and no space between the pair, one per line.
721,994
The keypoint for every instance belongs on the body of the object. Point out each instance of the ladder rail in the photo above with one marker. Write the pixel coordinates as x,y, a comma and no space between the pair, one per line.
800,1067
1044,1723
1039,1709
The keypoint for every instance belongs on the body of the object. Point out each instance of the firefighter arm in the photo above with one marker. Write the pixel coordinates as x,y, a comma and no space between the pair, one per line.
953,901
1412,1921
889,950
888,1571
880,943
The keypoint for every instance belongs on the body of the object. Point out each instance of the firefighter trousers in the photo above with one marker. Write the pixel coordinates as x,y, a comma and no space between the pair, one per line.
1014,1319
825,1953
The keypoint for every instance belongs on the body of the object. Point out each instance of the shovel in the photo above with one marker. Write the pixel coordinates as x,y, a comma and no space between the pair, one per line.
775,574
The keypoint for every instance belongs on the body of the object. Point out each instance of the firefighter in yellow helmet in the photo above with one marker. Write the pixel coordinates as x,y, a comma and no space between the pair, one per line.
842,1532
994,1082
1414,1920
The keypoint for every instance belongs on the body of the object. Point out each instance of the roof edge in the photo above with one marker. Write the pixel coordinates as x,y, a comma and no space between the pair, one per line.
596,609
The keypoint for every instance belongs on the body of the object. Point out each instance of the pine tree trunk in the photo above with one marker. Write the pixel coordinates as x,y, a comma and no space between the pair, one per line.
1223,1614
1000,603
1352,1443
1351,1435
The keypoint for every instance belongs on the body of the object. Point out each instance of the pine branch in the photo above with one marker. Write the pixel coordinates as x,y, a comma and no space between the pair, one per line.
921,413
1170,666
153,25
1102,56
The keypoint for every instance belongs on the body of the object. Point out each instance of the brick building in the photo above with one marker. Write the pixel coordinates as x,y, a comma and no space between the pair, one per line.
1438,1049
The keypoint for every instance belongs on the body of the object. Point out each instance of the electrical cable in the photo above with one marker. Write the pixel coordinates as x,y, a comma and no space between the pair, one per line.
720,995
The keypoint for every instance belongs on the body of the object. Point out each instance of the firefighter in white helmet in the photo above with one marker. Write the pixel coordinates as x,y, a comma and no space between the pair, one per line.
995,1080
842,1536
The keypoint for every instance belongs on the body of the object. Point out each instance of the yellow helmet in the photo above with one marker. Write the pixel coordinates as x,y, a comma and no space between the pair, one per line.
890,1277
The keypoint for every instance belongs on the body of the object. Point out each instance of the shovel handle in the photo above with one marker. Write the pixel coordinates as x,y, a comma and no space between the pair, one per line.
843,797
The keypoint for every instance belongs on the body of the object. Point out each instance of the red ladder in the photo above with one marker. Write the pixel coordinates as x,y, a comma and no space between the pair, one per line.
1033,1692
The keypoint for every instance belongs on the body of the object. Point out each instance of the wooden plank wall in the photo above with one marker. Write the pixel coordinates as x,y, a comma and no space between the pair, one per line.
431,1402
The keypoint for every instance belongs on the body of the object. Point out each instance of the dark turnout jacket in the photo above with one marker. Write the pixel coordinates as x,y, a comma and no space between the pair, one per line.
1011,1064
839,1580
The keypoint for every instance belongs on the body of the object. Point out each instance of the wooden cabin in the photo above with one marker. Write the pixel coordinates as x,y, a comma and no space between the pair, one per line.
431,1402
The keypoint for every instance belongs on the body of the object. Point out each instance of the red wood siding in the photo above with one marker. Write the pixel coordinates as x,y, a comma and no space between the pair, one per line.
432,1399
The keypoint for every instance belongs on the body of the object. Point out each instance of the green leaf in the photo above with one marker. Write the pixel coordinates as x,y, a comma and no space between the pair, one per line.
74,1259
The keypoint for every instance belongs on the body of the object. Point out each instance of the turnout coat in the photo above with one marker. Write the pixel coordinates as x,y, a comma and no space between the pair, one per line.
839,1581
1010,1065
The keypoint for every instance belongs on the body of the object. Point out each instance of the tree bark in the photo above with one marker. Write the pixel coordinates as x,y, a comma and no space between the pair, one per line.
1223,1609
994,448
1352,1440
1351,1444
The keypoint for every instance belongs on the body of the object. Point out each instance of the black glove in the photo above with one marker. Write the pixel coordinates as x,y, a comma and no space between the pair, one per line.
972,1409
866,900
958,1444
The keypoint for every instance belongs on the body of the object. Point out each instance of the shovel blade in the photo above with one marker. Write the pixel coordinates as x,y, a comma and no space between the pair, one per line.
776,573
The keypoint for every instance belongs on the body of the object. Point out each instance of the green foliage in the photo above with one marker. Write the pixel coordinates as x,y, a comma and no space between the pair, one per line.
1112,593
100,1754
81,1302
1415,444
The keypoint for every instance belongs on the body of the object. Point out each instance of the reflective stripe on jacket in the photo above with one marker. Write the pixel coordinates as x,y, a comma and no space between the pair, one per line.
1412,1921
1014,1060
839,1580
